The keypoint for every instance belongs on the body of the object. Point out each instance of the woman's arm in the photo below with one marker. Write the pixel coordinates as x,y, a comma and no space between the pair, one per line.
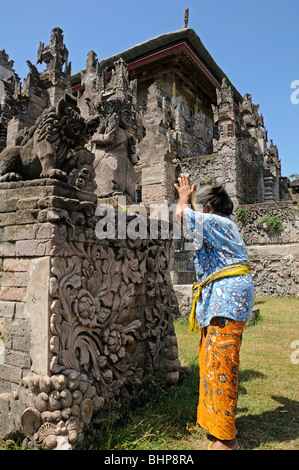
185,191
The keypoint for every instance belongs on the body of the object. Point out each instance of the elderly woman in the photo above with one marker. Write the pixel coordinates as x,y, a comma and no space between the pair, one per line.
223,300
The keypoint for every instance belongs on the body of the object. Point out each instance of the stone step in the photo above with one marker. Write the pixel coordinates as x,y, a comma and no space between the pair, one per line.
183,260
254,315
182,276
181,299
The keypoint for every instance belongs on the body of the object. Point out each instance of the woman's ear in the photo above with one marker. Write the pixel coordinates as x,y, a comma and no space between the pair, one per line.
209,209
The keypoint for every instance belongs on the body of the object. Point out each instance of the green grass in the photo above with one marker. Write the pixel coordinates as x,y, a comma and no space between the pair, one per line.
268,411
268,408
268,416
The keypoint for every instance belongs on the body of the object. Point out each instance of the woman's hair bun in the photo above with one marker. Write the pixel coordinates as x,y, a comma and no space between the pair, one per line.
216,196
220,189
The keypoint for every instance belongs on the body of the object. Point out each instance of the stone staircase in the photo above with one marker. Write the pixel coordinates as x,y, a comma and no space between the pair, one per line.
182,277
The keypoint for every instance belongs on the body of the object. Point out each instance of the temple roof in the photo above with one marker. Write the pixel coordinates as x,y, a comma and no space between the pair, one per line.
294,183
154,45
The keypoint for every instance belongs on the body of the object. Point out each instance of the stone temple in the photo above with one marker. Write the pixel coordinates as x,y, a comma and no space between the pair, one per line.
85,321
189,112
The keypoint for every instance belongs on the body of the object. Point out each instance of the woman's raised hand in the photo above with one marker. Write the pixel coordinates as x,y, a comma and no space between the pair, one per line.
184,188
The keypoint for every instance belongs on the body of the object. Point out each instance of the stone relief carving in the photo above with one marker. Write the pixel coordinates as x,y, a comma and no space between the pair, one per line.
106,335
83,175
255,231
56,410
112,97
275,274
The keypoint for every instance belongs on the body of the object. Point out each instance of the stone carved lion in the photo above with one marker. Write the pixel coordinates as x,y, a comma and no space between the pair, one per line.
43,151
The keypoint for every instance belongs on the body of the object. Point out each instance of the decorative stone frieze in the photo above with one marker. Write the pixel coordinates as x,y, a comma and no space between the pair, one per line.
252,222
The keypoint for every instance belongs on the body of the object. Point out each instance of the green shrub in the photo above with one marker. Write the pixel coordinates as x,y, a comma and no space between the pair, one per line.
273,222
241,214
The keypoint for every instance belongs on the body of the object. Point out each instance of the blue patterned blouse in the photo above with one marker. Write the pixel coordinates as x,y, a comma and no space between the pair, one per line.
218,244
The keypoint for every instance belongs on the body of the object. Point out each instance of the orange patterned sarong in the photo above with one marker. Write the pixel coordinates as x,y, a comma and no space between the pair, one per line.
219,367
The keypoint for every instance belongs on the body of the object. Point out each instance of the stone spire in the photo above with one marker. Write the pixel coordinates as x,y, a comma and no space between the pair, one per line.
186,17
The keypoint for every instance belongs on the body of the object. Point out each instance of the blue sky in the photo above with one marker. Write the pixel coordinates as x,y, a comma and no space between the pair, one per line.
256,43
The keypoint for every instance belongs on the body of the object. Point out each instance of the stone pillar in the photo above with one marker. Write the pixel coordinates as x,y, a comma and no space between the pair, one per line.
158,172
84,323
268,185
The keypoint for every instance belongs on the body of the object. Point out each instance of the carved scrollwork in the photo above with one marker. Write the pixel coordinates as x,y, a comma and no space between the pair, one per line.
106,300
91,321
56,409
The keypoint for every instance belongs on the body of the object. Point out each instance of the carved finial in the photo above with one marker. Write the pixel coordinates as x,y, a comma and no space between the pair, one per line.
186,17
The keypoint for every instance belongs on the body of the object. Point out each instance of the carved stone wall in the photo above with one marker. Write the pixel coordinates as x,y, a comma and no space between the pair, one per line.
209,169
252,222
274,254
249,182
84,322
243,180
275,270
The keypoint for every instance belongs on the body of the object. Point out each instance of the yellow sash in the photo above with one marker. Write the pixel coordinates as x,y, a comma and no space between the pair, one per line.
229,271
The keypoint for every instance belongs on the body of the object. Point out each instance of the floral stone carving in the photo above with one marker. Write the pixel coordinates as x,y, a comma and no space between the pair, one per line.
110,329
108,319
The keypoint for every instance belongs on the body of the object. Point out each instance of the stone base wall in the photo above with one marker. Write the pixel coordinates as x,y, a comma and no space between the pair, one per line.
275,270
254,222
84,323
273,249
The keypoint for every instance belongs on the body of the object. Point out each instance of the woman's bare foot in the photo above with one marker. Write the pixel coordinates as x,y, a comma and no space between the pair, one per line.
224,445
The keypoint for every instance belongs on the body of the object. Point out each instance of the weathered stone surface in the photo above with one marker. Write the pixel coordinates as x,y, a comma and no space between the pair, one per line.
36,309
10,373
16,264
252,222
7,309
275,270
82,321
12,293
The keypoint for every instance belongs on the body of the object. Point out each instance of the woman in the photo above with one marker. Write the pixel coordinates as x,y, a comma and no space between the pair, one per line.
223,300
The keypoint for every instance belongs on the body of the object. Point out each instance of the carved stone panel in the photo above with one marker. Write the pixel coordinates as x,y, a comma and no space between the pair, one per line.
97,314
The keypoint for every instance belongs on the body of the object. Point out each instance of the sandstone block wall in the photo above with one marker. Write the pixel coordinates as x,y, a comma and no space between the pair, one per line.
84,323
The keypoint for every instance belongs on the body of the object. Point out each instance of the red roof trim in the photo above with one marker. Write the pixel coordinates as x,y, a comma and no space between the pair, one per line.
174,48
